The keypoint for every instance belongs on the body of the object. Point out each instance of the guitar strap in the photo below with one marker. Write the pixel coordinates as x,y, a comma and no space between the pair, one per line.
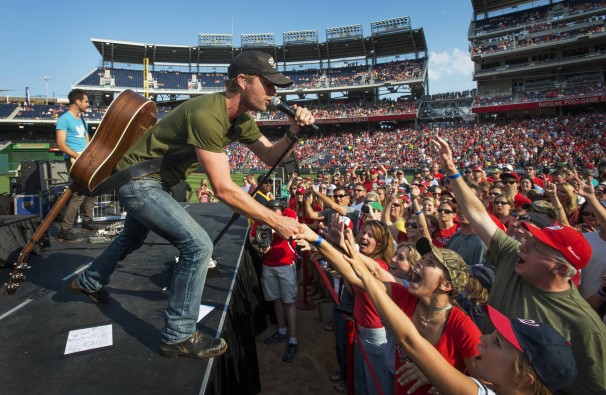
143,169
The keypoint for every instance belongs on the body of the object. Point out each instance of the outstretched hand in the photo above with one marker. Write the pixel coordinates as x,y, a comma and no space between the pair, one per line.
305,233
445,155
353,257
550,189
586,188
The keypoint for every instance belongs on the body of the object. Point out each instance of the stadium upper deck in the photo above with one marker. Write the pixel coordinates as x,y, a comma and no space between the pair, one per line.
393,56
539,54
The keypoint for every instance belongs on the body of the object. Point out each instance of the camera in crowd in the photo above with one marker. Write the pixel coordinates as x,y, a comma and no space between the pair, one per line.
376,206
264,236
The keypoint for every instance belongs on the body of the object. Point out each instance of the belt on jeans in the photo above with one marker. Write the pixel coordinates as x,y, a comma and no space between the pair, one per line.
142,169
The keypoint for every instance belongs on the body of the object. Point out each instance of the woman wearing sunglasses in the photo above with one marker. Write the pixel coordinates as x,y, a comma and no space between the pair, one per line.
502,207
446,215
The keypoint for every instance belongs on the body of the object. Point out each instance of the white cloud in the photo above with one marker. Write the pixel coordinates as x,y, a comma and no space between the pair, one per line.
450,68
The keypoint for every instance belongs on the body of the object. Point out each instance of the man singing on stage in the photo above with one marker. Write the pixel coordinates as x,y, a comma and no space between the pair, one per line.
205,124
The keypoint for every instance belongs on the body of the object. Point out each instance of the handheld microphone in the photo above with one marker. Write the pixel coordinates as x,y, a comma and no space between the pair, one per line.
276,104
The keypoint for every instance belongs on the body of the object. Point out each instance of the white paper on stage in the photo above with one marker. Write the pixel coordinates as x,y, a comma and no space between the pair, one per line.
89,338
204,310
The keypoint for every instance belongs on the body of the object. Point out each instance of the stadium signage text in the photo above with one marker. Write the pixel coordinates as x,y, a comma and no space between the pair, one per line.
575,101
335,121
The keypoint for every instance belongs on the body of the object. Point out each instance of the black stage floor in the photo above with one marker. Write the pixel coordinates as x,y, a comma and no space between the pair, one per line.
35,322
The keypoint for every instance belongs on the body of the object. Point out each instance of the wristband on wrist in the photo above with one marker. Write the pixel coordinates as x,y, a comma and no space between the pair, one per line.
599,292
419,213
455,176
318,242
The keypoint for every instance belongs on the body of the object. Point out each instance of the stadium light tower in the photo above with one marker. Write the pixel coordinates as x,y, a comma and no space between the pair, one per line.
45,78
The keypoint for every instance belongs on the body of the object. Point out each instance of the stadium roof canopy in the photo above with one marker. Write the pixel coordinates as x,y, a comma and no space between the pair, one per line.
481,7
384,43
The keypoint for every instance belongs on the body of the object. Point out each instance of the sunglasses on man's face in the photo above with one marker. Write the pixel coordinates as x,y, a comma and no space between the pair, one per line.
339,196
412,225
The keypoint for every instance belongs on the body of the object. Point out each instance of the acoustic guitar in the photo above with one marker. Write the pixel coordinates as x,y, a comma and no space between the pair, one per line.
127,118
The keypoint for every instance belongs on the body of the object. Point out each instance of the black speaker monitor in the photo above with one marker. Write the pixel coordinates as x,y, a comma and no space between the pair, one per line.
34,176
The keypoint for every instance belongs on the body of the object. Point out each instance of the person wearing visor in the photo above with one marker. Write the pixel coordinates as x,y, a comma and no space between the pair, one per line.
202,126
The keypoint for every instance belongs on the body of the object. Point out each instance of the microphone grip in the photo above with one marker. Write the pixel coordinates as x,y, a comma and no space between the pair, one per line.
285,108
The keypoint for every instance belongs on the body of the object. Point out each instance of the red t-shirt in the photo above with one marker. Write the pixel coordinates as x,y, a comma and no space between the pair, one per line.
292,203
282,252
364,311
538,181
443,236
459,339
368,185
519,200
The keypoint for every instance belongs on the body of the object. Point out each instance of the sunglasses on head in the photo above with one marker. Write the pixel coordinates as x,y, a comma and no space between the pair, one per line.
445,211
494,193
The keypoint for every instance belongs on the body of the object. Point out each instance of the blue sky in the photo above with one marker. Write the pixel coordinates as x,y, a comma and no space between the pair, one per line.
54,38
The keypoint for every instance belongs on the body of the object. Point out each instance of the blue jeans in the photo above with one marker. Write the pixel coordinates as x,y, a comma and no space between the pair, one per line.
374,342
149,206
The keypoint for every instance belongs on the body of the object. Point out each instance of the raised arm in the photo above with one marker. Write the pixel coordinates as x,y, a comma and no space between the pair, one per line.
440,373
551,191
415,195
587,191
468,201
328,202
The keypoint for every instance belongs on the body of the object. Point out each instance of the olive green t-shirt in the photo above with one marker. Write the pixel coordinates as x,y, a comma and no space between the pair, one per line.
566,311
199,122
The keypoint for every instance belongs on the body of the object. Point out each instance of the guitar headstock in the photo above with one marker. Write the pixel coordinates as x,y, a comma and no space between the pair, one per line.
15,278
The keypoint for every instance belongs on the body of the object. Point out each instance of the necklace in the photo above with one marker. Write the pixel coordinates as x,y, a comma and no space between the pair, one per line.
447,307
425,321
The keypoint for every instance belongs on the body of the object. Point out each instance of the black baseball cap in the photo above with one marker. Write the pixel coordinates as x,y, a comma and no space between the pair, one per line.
547,351
262,176
258,63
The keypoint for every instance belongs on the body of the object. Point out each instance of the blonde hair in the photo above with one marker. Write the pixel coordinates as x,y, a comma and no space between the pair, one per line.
522,367
413,256
476,290
571,205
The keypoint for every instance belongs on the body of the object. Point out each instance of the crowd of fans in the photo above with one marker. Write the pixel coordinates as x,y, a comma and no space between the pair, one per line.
553,34
547,141
534,18
442,245
348,75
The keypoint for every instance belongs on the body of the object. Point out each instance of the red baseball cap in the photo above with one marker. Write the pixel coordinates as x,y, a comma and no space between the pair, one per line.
477,168
512,175
569,241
